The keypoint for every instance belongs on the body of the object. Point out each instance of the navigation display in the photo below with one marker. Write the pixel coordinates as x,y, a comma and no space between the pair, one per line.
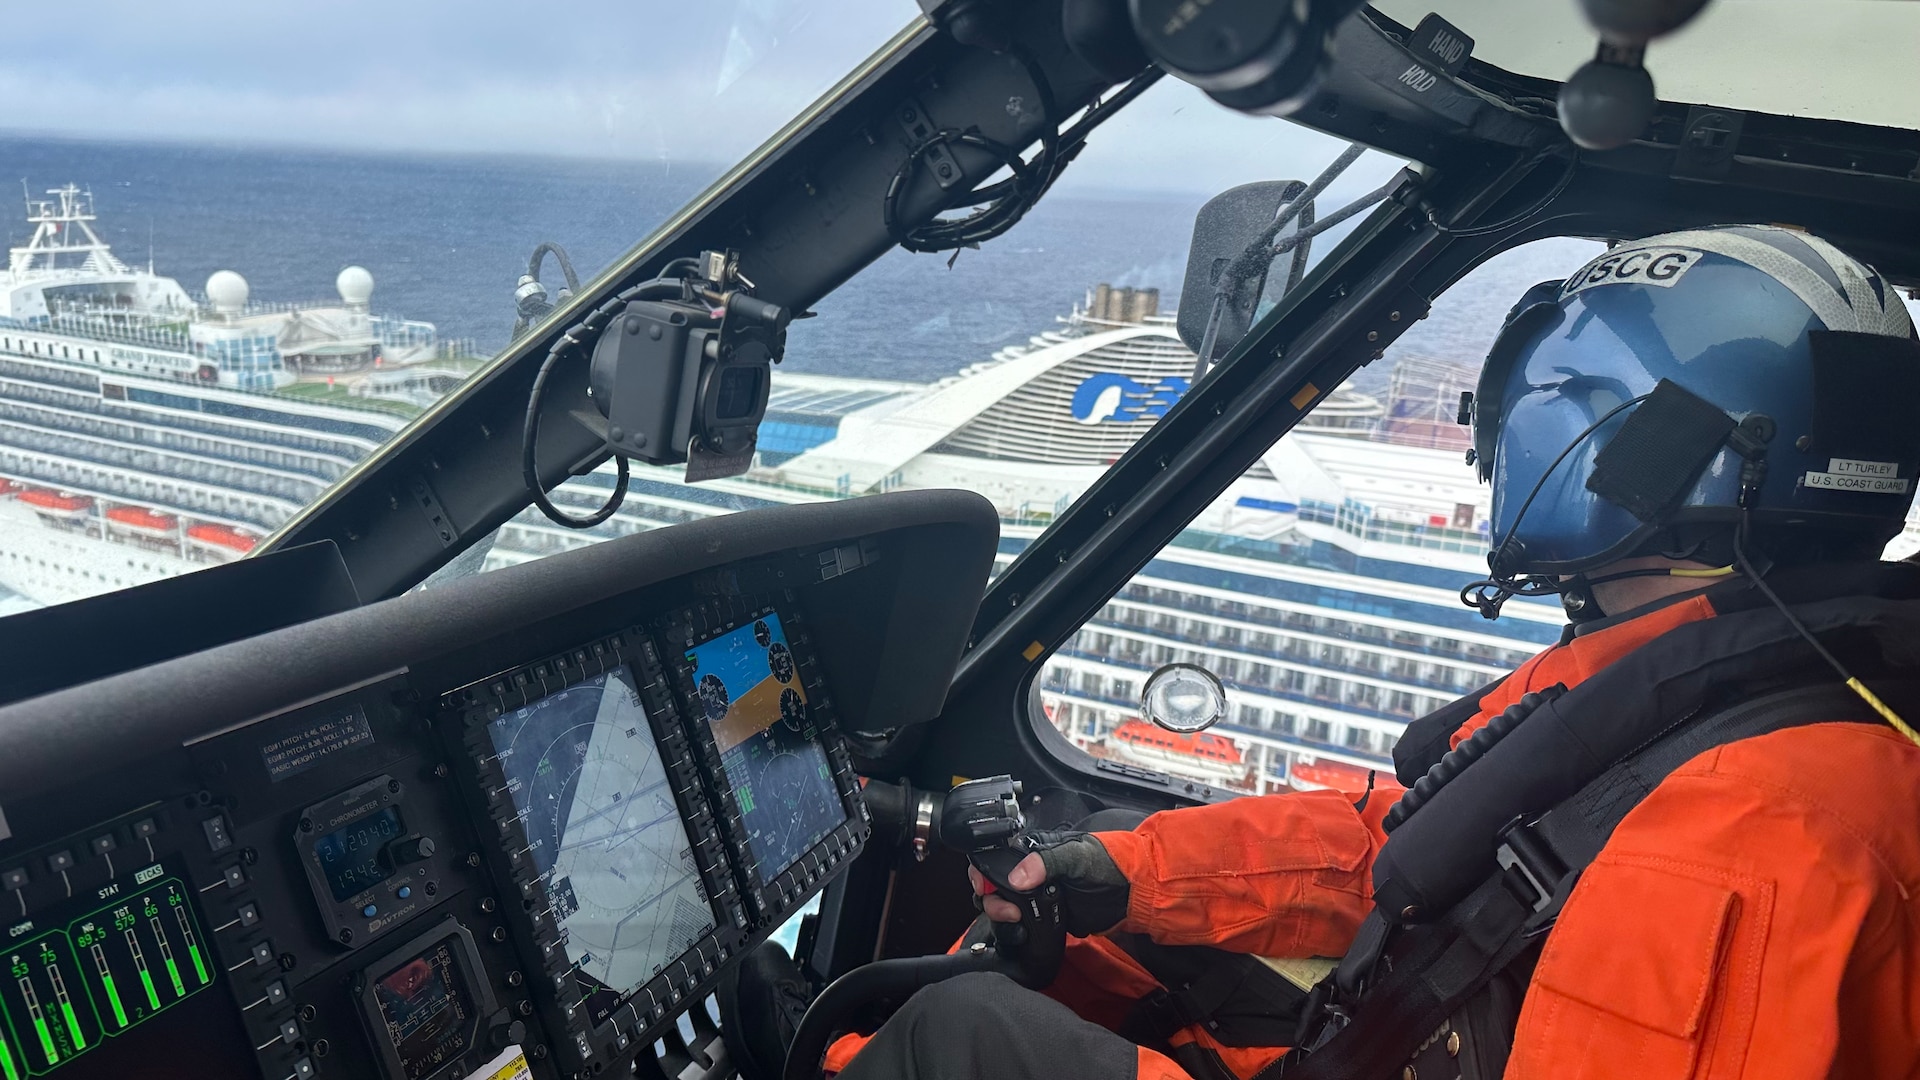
746,683
602,826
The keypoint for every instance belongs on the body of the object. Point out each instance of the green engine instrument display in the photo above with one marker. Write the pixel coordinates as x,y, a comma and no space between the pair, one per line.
62,991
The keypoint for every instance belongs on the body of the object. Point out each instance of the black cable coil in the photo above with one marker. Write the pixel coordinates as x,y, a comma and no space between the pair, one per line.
1468,752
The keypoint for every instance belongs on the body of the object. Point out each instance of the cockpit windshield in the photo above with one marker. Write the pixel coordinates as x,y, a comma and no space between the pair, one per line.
253,249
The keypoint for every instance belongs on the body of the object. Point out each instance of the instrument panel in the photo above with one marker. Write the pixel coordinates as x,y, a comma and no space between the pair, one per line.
459,867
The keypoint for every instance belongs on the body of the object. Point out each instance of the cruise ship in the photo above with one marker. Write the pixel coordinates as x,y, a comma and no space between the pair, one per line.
146,433
1322,587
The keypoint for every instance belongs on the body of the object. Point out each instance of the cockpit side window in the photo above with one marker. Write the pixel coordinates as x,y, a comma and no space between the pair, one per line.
1322,586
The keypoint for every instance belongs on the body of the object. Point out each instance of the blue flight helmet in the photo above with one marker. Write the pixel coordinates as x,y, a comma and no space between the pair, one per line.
1684,384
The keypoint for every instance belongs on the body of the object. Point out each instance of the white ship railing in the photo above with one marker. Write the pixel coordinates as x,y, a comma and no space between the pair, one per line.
122,330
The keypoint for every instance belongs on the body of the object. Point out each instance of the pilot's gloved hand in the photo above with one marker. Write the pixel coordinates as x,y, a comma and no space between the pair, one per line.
1093,892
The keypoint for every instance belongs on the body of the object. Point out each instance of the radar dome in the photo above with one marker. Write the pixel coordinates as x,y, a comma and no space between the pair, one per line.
227,291
355,285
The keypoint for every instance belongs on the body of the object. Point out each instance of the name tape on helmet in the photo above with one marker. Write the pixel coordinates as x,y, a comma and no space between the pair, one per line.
1661,266
1847,474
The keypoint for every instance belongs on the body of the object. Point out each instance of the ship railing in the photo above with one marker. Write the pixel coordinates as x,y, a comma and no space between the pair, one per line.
345,399
112,489
118,330
1336,703
264,307
1290,739
1301,658
1303,625
33,384
49,375
167,464
1359,520
239,431
324,467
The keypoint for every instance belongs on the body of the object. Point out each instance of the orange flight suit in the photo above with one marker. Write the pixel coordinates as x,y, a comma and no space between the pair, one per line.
1757,915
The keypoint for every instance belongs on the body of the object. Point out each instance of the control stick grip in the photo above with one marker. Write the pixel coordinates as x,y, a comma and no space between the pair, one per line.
1032,949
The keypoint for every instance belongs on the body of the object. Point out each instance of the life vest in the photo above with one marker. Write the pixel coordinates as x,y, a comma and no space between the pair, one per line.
1512,804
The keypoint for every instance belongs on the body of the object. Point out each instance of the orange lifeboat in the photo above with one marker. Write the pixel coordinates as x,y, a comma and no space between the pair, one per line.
1201,744
69,511
53,501
1212,758
1327,773
221,541
141,520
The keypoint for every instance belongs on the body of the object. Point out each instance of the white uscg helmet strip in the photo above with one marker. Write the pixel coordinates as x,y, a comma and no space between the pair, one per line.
1660,265
1856,306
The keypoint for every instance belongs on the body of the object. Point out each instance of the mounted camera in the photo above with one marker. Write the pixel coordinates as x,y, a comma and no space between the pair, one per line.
686,379
680,370
1251,55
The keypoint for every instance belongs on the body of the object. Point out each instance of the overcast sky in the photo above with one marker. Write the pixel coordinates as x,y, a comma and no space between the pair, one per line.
639,79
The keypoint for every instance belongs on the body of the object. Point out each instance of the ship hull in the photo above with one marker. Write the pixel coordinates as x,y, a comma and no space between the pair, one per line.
54,563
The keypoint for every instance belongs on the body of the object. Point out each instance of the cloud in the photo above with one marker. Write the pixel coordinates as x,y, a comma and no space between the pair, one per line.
608,78
1175,138
647,80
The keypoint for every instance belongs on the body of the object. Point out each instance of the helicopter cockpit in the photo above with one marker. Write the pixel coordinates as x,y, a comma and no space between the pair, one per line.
474,716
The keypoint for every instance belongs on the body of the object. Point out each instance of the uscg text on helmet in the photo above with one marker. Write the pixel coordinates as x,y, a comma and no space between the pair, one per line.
1662,266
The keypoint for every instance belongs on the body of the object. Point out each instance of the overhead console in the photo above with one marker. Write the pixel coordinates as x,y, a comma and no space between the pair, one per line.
528,815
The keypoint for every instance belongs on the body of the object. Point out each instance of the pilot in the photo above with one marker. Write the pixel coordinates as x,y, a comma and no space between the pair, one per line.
1701,441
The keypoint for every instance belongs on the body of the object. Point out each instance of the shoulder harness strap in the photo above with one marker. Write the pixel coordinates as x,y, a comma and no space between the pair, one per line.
1437,966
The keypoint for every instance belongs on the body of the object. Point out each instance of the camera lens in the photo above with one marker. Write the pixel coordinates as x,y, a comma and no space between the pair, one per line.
738,395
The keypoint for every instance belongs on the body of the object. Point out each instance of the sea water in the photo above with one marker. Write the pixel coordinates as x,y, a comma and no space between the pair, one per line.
447,237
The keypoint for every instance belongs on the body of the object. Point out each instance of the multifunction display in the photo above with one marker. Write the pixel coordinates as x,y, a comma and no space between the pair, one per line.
615,775
605,834
760,720
749,691
66,989
424,1002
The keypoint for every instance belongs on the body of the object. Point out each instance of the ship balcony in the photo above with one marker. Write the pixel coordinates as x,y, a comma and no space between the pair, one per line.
1149,646
1322,639
50,374
166,465
1290,741
201,501
1345,698
324,468
1344,613
278,426
1260,667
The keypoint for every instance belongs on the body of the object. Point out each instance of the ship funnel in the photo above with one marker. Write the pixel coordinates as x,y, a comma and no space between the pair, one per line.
227,291
356,287
1123,305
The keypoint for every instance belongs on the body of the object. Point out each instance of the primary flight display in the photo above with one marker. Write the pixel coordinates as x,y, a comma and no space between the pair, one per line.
749,687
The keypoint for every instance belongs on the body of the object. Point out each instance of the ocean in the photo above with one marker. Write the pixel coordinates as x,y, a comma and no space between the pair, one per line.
447,236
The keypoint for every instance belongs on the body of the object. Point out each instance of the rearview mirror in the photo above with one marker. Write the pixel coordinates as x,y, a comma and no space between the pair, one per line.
1225,281
1184,698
